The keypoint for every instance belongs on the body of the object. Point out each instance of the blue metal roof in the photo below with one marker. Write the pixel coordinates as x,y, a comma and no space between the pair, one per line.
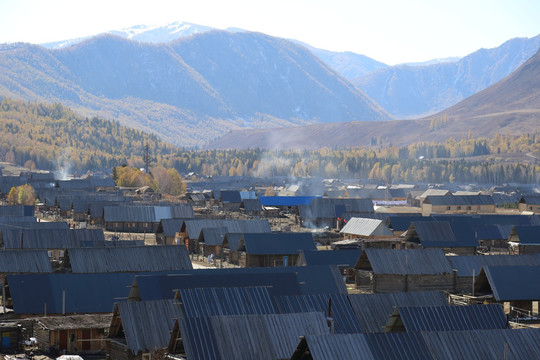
201,302
154,287
512,282
276,243
341,310
442,234
528,234
451,318
401,262
466,264
331,347
390,346
337,257
286,200
372,310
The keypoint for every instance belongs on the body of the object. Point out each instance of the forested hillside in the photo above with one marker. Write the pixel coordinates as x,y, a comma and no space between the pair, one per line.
53,136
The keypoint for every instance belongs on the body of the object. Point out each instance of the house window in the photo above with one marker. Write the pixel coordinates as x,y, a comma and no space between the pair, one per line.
146,225
459,207
131,225
61,253
468,208
448,208
49,253
147,356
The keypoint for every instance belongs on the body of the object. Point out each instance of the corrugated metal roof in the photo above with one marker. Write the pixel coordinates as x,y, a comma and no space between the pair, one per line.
341,310
230,196
154,287
194,227
530,199
126,259
402,223
49,238
372,310
147,324
327,208
390,346
443,234
286,200
484,344
24,261
332,347
528,234
512,282
462,200
203,302
252,205
23,223
151,214
336,257
401,262
466,264
213,236
276,243
450,318
170,227
366,227
268,336
16,210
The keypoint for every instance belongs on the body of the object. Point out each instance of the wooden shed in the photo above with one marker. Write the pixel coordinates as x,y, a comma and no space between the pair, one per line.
383,270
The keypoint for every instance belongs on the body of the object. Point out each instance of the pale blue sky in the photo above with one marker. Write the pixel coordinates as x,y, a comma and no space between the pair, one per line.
391,31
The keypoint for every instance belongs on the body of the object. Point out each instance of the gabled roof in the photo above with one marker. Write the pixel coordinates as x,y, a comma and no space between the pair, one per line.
267,336
328,208
336,257
466,264
16,210
527,235
530,199
212,236
24,261
194,227
508,283
330,347
484,344
154,287
440,234
129,259
372,310
74,322
152,214
49,238
230,196
340,309
463,200
404,262
402,223
202,302
286,200
435,192
169,227
366,227
252,205
146,324
447,318
276,243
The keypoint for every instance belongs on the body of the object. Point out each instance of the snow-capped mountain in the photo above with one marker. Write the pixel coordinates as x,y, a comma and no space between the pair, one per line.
161,34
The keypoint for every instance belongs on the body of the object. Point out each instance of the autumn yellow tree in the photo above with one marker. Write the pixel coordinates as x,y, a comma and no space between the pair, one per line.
168,181
22,195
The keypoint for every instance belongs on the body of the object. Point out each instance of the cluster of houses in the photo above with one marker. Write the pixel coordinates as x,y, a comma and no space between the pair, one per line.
453,280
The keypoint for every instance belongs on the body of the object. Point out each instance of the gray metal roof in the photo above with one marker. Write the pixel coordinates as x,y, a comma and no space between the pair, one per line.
442,234
147,324
170,227
252,205
401,262
194,227
129,259
366,227
466,264
347,258
24,261
152,214
527,234
328,208
449,318
203,302
390,346
213,236
372,310
267,336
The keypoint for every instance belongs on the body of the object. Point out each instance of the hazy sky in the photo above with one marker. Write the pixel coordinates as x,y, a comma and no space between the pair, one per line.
391,31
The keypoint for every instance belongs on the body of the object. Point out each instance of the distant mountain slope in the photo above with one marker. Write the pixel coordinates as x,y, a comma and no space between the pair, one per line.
516,96
510,106
188,91
412,91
